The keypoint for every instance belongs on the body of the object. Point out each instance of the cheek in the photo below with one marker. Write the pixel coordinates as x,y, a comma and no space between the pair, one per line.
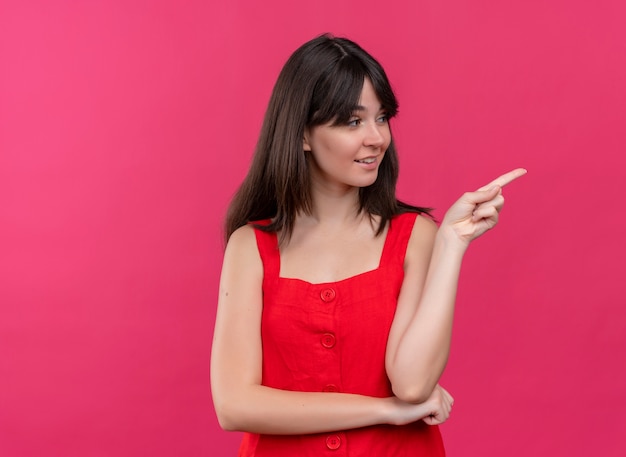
339,148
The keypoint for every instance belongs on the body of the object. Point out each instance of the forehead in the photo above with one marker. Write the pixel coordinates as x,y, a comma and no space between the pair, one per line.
369,99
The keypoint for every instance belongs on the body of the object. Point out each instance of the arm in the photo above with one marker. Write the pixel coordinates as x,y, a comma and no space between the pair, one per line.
419,340
241,402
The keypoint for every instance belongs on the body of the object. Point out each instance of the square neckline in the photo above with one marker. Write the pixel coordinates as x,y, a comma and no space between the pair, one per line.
348,278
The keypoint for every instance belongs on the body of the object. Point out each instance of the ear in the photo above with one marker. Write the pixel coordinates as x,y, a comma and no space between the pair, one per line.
305,141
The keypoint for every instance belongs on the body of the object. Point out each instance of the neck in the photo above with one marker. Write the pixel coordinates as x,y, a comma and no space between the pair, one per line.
333,206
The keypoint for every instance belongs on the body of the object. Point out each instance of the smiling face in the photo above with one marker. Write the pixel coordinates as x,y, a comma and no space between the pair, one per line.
348,155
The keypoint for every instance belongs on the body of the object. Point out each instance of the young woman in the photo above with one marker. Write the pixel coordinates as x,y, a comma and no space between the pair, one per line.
336,300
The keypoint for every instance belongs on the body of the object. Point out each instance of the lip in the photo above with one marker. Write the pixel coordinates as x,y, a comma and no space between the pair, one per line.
368,166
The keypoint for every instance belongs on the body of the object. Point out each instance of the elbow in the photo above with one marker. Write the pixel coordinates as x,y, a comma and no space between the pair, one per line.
227,417
232,406
412,396
416,386
225,423
413,393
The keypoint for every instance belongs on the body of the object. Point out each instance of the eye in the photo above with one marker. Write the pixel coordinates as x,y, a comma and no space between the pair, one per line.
382,119
354,122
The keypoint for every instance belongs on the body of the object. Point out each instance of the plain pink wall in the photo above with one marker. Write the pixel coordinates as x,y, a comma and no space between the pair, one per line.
125,127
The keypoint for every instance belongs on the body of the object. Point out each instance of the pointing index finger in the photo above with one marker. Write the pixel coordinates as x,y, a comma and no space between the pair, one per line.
505,178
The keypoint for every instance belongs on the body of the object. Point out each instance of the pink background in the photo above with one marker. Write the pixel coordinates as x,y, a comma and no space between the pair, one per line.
125,127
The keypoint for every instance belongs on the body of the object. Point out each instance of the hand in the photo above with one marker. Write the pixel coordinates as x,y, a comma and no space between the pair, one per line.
433,411
440,404
476,212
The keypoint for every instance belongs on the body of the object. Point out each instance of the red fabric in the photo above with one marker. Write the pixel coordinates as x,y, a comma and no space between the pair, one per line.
332,337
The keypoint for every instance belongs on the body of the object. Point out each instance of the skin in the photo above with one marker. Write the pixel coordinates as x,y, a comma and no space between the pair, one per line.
332,243
336,150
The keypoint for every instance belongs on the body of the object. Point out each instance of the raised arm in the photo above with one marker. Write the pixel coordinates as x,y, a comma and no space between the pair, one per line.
419,340
243,404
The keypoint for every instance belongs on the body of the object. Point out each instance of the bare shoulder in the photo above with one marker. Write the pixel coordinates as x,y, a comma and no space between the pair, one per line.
421,240
243,243
424,230
424,225
242,237
242,254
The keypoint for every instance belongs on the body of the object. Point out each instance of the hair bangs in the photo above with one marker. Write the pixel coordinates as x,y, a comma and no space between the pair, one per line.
338,91
321,83
383,91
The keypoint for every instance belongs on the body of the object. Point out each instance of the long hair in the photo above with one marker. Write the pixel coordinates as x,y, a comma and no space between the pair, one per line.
320,83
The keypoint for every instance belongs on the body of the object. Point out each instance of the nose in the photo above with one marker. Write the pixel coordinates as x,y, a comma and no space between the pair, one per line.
376,135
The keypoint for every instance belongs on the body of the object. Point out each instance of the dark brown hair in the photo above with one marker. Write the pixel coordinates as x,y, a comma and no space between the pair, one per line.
320,83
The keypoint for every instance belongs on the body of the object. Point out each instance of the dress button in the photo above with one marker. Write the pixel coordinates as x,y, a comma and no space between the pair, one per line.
333,442
328,295
330,388
328,340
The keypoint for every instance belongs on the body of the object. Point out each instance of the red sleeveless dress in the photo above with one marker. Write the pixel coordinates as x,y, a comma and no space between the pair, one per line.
332,337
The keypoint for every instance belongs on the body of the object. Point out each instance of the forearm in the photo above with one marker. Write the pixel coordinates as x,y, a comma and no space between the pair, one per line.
419,351
261,409
422,351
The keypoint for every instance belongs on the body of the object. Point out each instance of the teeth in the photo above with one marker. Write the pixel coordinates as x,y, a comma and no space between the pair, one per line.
368,160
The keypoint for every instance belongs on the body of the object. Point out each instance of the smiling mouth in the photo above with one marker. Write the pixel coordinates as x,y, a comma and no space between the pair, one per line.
366,160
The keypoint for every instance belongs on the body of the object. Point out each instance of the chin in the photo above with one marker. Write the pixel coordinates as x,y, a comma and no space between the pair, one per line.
367,182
